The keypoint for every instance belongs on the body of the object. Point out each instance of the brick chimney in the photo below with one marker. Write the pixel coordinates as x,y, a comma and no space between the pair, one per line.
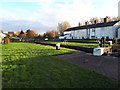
87,23
79,24
106,20
96,21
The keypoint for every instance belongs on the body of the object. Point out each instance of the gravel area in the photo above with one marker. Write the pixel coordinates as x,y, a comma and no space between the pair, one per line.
106,65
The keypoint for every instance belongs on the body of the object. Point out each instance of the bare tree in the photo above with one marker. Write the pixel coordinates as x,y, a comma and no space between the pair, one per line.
101,20
115,18
63,26
92,20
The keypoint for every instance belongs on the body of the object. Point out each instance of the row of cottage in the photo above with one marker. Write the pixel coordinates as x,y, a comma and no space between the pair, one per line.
98,30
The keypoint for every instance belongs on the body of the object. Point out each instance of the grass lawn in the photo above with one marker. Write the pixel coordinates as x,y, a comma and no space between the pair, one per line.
26,65
82,40
75,44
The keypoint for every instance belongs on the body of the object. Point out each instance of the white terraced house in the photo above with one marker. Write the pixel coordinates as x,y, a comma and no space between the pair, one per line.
107,29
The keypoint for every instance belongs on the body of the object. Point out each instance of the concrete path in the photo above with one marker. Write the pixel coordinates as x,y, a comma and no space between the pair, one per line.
107,65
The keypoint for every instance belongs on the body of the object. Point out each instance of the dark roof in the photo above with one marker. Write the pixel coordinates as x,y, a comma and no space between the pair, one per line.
61,35
93,26
10,32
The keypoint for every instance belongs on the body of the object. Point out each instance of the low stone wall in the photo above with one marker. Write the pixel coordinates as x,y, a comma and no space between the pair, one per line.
84,42
86,49
88,42
76,41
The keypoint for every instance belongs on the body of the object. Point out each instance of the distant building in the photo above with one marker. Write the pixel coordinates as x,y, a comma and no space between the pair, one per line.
10,34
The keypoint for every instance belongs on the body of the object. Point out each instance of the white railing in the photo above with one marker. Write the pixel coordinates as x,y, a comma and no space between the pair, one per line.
65,42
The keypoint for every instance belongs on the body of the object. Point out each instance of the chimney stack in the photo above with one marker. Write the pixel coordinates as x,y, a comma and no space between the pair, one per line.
106,19
96,21
87,23
79,24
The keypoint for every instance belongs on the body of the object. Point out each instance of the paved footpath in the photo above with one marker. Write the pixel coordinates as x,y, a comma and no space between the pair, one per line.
107,65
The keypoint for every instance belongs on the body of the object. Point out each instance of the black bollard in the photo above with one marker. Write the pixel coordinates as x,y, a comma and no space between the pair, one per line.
100,42
115,40
103,42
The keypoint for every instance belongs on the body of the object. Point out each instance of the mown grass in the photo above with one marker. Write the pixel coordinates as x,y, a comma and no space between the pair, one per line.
82,40
75,44
26,65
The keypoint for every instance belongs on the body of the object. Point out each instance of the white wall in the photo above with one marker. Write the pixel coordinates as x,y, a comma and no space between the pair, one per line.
119,33
67,32
61,37
78,34
106,31
99,33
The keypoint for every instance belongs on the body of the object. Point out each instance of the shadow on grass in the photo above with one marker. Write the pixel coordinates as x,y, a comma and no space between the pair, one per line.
51,72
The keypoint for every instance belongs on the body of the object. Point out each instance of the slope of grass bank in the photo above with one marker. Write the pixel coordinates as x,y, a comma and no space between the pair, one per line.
80,40
74,44
28,65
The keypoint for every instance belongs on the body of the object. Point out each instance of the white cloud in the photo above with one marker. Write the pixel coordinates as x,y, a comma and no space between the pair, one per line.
8,15
78,11
74,12
52,12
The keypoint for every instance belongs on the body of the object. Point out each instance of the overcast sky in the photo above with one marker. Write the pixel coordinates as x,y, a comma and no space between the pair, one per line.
44,15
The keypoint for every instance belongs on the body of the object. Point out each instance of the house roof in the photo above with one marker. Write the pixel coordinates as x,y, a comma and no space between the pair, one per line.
61,35
93,26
